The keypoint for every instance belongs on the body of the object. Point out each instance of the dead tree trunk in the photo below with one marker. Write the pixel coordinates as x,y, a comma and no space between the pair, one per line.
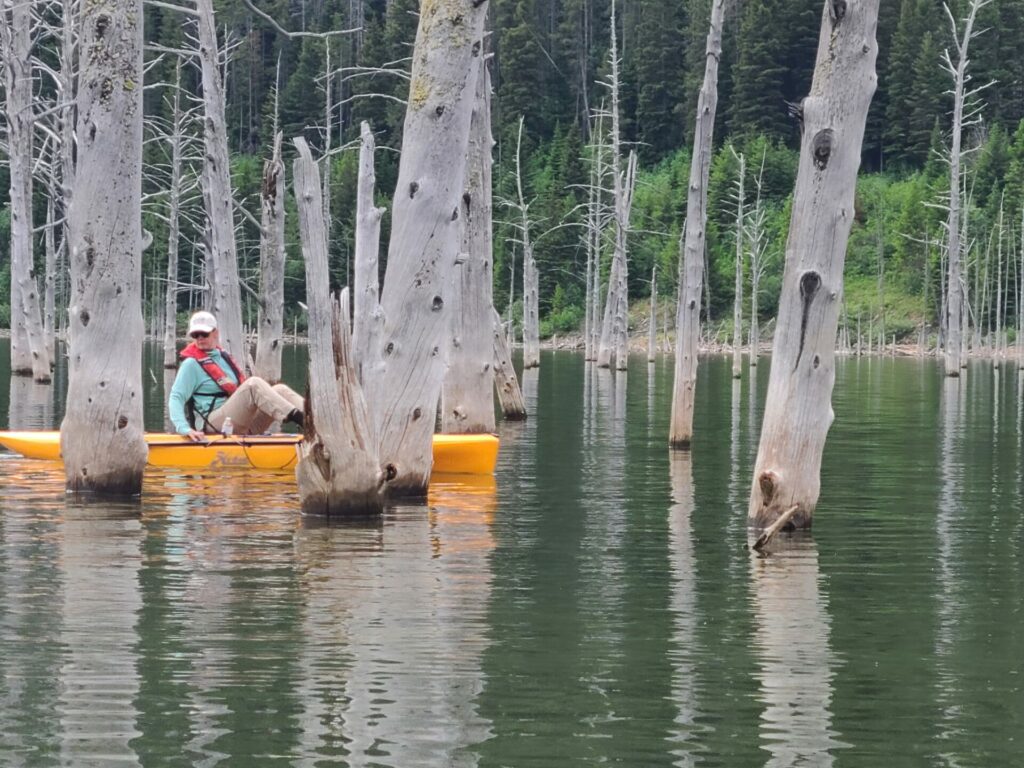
623,207
531,300
102,433
652,329
688,309
616,305
408,368
270,336
758,254
737,302
173,229
954,357
338,471
798,408
367,318
227,295
510,396
28,342
467,396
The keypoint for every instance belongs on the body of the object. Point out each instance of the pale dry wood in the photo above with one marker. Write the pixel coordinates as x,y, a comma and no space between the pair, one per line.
691,285
798,409
173,227
227,295
531,279
467,395
28,340
956,316
270,322
407,369
616,303
338,472
765,538
623,208
368,318
652,328
510,396
737,301
102,433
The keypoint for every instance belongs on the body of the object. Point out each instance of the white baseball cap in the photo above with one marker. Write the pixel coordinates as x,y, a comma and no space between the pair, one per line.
203,322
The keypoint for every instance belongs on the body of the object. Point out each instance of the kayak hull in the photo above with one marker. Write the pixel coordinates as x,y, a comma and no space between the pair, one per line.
453,454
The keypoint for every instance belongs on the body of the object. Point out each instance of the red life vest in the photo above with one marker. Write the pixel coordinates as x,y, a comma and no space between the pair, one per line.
213,370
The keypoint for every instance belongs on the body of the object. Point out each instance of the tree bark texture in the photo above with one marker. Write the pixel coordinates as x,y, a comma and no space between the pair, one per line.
338,472
467,396
688,308
798,409
28,341
102,434
368,318
406,371
510,395
270,336
227,295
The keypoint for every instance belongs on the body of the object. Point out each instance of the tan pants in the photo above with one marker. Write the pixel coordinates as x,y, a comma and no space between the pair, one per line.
254,406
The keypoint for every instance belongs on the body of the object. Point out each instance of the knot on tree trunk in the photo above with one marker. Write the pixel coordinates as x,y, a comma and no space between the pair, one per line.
775,504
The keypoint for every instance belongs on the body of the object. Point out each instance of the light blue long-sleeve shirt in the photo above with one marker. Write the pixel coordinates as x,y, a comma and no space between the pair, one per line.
193,381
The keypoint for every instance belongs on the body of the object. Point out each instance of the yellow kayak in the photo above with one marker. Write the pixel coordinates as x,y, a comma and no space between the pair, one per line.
453,454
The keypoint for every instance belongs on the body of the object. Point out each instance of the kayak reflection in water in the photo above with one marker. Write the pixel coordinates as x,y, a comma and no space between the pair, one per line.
210,388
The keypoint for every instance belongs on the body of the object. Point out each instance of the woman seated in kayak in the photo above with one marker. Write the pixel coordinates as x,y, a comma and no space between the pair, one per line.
210,388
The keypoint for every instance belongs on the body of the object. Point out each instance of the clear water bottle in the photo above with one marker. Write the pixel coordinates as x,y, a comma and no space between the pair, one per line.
227,429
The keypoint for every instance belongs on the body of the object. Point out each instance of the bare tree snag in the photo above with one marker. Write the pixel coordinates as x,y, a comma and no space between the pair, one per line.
688,308
102,434
510,396
270,336
531,288
28,342
467,396
955,301
368,318
406,371
173,228
623,207
338,471
737,300
652,327
798,408
227,294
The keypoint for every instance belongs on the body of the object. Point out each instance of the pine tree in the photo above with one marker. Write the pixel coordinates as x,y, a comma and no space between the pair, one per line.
658,71
758,106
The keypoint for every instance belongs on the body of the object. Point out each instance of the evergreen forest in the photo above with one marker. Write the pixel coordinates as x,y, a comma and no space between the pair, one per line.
550,68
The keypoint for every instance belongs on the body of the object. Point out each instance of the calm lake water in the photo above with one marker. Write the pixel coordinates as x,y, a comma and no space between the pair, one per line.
594,603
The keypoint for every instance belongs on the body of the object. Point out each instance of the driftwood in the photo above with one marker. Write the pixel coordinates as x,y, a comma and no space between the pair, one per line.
102,433
798,409
338,471
766,538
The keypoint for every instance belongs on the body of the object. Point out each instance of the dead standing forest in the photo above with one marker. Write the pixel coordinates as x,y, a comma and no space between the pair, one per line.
551,58
596,157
